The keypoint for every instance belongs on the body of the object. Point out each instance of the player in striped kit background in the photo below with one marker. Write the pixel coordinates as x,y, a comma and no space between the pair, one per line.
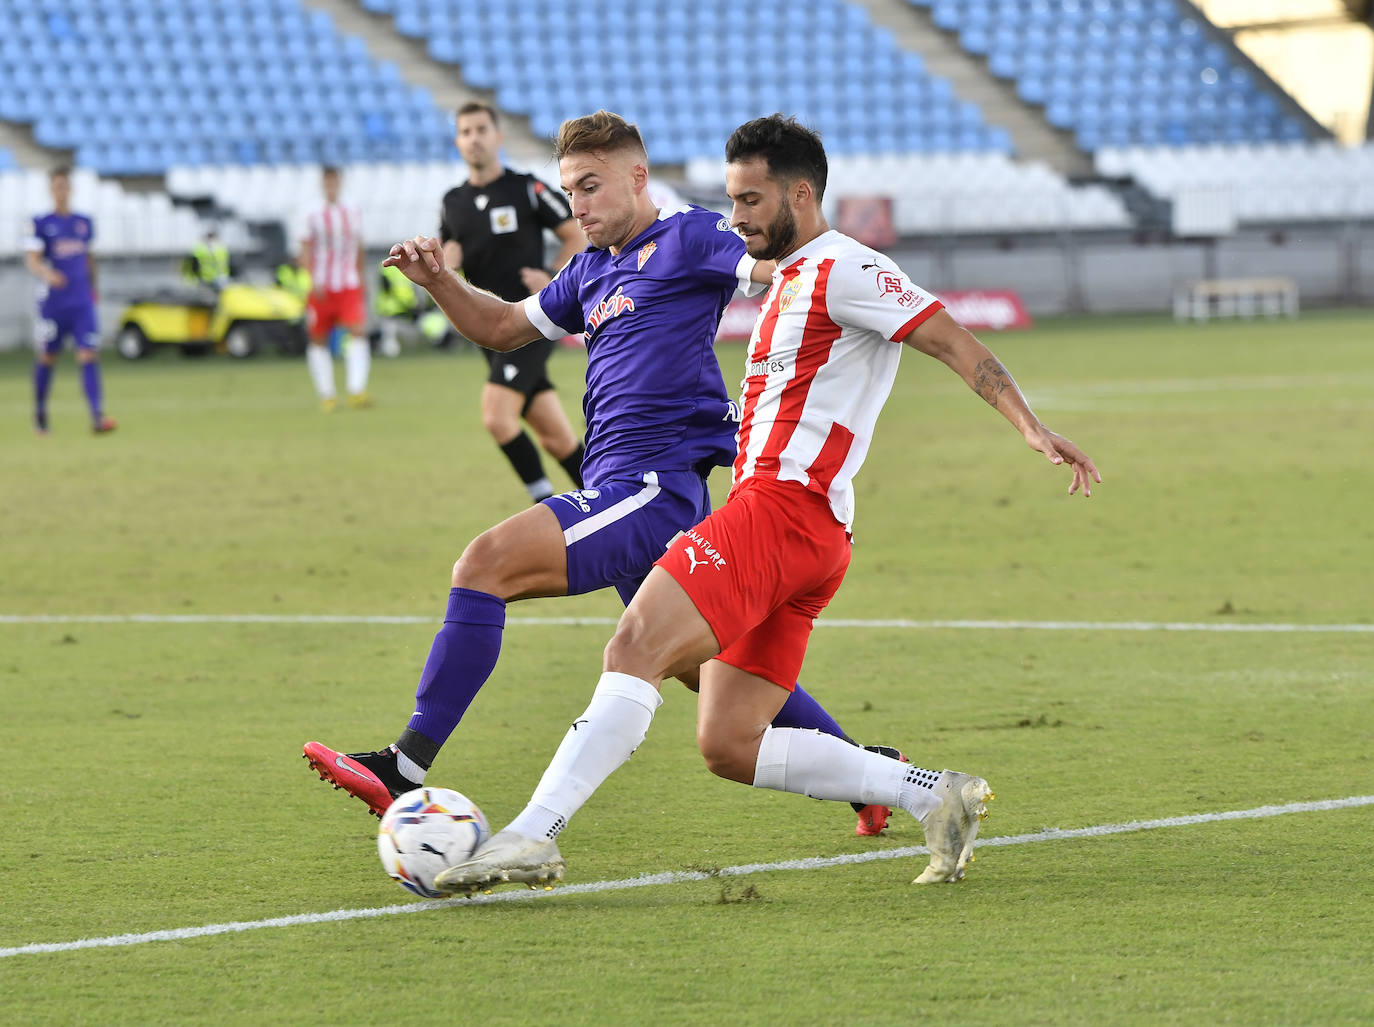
332,252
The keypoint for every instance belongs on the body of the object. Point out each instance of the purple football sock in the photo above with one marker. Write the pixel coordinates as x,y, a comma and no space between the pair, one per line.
802,711
42,383
460,661
90,382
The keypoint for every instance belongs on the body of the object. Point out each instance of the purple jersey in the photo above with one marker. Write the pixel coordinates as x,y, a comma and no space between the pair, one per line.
655,398
64,240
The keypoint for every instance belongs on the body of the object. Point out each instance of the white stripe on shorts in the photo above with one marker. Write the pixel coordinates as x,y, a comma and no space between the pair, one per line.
611,514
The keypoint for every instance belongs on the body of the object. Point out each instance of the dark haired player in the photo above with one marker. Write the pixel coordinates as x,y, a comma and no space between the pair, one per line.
737,595
59,255
492,227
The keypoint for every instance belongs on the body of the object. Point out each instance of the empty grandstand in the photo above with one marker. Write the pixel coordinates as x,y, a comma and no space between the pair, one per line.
1123,72
1151,124
175,82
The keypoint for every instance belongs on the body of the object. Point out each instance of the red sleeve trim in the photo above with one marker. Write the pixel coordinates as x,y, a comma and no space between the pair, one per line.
916,321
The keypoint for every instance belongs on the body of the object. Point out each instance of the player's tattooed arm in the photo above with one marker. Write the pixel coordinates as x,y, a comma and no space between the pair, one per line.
990,380
941,337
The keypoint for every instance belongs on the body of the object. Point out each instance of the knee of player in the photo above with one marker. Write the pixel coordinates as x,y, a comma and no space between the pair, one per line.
475,567
631,650
500,425
724,757
493,562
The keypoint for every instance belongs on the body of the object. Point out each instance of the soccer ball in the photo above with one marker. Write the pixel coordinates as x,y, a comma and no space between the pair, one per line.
426,831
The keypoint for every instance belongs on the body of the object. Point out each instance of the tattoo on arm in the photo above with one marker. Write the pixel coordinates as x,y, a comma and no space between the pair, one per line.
990,380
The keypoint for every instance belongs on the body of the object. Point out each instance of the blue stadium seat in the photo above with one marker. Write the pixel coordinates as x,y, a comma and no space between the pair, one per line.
1117,72
1107,69
1032,89
1291,130
975,39
946,14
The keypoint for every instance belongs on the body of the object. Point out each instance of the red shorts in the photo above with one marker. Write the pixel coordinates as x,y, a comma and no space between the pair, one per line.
760,570
329,310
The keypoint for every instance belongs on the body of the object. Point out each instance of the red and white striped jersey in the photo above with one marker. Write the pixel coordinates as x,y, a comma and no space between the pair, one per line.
822,360
336,233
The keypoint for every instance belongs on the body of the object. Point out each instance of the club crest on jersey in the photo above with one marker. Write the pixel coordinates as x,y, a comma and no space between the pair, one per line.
612,306
481,202
790,291
645,252
888,282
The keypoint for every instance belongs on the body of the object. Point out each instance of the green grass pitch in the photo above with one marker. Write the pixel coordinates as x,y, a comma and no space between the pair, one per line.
153,774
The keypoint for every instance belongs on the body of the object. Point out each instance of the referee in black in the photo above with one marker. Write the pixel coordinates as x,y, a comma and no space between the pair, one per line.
492,227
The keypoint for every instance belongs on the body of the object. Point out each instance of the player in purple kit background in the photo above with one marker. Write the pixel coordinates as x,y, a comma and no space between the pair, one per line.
59,255
647,295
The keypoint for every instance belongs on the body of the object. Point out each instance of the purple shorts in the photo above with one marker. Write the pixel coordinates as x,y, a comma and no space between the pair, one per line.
615,532
78,322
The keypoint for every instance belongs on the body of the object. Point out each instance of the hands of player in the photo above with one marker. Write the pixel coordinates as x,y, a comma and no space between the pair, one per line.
1058,450
420,259
55,278
535,278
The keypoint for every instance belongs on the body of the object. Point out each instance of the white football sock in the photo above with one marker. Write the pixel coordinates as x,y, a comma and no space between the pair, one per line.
321,366
539,490
357,364
409,769
598,742
825,767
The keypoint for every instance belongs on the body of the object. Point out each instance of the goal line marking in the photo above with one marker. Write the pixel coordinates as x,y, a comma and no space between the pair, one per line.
681,877
834,622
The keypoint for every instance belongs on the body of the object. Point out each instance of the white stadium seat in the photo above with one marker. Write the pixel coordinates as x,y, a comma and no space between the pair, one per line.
125,222
1270,181
969,192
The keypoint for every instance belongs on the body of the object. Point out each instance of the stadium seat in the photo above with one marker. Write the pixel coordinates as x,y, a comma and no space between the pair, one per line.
169,62
1160,42
183,83
809,51
1270,181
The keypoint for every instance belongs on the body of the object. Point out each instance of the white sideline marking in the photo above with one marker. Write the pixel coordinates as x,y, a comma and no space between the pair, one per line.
916,625
682,876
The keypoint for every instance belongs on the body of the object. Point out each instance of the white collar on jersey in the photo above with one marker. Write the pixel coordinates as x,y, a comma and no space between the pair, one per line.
821,242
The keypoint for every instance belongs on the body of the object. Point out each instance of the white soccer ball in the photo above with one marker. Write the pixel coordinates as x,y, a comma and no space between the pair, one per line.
426,831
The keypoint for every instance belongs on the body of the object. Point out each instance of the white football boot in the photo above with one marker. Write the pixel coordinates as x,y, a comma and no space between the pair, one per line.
505,856
951,828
